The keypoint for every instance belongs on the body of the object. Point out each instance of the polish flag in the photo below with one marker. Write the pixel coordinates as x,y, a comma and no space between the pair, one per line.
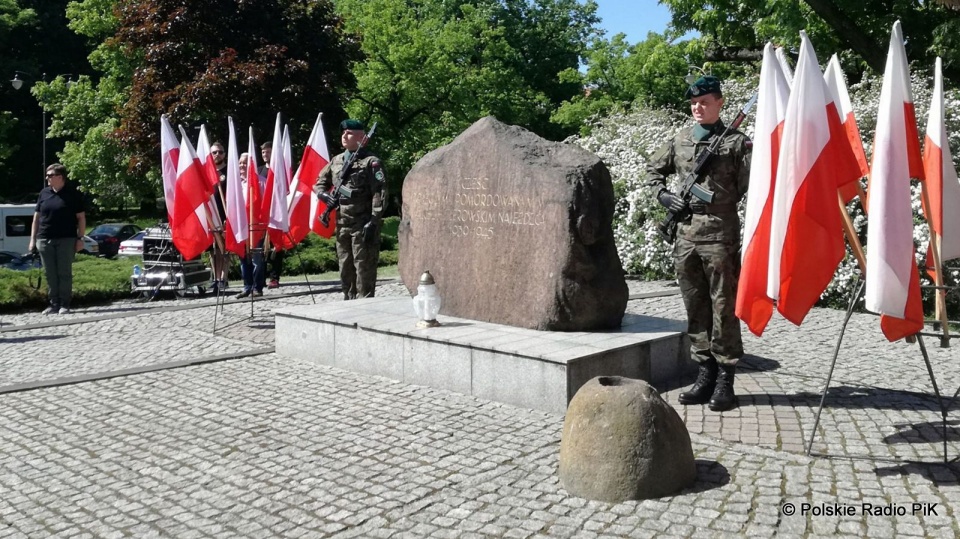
169,155
841,98
893,281
210,173
302,198
275,196
943,187
238,228
191,232
253,196
754,307
806,234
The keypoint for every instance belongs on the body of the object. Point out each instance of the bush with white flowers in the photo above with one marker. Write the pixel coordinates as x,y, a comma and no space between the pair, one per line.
625,140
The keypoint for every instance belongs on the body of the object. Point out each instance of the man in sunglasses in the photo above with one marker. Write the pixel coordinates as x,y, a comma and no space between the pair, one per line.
219,259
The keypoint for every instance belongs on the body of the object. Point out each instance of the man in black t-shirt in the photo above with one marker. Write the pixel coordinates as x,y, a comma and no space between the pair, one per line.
59,223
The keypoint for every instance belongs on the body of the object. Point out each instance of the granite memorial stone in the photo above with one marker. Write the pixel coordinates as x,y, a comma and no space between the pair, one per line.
515,229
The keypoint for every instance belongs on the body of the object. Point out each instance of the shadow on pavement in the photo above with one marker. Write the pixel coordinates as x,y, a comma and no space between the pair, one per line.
32,338
940,474
758,363
923,433
852,397
710,475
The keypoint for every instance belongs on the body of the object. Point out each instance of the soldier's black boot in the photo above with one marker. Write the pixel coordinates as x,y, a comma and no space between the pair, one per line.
703,388
723,396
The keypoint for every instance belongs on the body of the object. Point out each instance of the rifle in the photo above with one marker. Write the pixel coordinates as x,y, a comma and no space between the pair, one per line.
332,199
690,188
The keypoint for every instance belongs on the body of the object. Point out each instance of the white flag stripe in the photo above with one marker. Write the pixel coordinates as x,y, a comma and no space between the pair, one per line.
168,144
890,221
235,207
772,99
784,66
838,88
278,218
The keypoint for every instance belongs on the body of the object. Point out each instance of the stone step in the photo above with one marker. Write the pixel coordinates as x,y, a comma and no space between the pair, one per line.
534,369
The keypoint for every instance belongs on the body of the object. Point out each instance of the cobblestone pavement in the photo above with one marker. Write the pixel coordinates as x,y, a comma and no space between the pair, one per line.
266,446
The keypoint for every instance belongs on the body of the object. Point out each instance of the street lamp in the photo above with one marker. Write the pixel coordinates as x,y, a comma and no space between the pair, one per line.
17,83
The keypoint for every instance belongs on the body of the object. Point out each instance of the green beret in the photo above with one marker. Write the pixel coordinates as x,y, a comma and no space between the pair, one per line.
707,84
351,124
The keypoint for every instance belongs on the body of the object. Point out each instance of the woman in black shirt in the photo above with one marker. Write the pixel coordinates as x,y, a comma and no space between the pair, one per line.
59,223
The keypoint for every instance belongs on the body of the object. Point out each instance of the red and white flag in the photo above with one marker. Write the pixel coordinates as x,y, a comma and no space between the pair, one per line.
190,229
288,158
841,98
238,228
275,195
806,235
301,201
253,196
754,307
943,187
205,155
893,281
169,155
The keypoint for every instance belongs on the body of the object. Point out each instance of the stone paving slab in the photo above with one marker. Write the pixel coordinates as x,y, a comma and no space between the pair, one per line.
272,447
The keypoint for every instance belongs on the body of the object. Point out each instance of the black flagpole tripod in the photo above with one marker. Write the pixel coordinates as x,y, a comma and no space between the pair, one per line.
833,363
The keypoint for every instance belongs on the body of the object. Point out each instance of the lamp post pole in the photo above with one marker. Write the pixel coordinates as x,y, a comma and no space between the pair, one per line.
43,134
17,84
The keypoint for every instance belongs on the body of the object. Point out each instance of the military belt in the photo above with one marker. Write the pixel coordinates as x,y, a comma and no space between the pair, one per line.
712,209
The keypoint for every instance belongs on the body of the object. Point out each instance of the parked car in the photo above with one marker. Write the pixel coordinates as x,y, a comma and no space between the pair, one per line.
109,236
17,261
90,246
132,246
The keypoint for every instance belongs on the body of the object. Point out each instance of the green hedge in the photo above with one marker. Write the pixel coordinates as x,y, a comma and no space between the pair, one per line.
98,280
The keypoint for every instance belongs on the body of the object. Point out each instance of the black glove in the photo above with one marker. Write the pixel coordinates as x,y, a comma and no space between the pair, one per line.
327,198
370,232
671,201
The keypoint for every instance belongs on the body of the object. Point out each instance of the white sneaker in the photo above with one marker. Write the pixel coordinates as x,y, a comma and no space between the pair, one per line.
50,310
64,310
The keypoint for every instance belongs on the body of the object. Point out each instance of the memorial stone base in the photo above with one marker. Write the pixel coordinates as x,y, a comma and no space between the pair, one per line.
534,369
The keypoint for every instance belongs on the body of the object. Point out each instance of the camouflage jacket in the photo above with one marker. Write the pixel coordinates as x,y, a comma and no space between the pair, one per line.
726,174
364,190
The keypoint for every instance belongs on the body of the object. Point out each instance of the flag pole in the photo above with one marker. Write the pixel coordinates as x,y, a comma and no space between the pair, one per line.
851,233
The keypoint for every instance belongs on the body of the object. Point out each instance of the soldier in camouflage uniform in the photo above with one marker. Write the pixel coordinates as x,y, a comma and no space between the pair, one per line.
707,249
362,197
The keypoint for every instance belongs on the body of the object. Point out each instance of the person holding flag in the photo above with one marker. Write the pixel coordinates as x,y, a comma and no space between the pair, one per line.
362,191
707,248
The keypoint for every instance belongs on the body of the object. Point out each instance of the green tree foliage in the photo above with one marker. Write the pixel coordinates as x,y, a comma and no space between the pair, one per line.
859,31
247,59
432,68
617,74
86,112
12,16
198,63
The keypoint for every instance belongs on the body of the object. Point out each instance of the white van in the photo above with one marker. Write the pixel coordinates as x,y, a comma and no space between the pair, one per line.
15,223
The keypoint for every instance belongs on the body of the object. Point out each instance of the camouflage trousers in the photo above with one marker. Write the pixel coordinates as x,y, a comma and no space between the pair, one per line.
708,273
358,263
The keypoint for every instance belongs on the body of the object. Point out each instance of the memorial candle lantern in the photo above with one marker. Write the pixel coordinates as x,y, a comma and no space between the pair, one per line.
427,302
